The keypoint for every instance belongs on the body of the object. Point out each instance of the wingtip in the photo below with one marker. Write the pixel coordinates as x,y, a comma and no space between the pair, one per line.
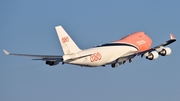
172,36
6,52
58,26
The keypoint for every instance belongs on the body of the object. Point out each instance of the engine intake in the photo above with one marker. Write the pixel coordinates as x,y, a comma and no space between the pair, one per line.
165,51
152,55
52,63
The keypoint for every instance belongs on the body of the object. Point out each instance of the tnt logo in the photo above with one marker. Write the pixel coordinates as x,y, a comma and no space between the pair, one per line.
65,39
95,57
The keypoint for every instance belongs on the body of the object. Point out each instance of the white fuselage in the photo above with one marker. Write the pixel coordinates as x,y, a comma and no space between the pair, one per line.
99,56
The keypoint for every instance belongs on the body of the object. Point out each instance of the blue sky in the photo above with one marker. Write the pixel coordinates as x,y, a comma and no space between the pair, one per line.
28,27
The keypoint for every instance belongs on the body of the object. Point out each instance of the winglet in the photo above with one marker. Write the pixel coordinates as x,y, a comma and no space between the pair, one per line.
6,52
172,36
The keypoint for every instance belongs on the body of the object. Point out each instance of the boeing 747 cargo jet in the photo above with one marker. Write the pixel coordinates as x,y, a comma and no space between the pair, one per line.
112,53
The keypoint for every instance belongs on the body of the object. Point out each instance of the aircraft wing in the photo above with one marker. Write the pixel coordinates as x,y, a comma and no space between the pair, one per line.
132,55
171,40
38,57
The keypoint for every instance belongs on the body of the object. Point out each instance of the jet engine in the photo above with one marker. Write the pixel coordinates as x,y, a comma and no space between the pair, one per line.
165,51
52,63
152,55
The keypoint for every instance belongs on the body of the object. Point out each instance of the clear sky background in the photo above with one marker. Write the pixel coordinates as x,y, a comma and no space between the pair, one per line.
29,27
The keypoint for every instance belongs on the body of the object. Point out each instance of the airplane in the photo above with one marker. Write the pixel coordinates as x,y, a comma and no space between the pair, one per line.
111,53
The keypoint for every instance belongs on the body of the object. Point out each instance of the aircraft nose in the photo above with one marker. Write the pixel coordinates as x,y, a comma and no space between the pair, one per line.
149,41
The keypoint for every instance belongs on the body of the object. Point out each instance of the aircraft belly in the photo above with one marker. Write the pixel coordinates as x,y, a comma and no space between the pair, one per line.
101,56
120,52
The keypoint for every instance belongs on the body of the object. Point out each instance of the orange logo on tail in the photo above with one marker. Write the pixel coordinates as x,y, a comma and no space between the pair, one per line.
95,57
65,39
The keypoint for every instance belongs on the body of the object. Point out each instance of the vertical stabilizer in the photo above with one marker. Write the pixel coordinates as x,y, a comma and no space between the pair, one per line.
67,43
